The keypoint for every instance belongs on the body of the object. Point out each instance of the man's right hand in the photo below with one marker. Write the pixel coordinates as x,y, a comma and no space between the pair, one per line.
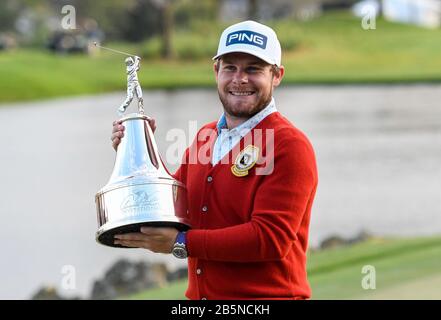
118,131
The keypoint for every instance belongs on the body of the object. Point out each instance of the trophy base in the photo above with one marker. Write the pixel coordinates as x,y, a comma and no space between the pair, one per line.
107,237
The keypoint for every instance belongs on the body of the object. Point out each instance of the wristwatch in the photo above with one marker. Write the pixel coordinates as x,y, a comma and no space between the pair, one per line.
179,248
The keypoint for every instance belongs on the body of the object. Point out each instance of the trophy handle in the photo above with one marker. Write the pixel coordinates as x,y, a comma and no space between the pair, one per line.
150,147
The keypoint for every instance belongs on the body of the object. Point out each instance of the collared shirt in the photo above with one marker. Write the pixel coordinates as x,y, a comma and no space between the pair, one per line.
227,139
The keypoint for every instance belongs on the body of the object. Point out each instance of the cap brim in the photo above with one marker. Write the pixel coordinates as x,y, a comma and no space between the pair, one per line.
261,57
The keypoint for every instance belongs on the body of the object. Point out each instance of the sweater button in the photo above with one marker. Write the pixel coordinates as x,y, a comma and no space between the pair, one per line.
198,271
204,298
209,178
204,209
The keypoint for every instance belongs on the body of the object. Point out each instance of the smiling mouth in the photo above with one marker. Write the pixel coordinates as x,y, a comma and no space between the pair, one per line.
241,93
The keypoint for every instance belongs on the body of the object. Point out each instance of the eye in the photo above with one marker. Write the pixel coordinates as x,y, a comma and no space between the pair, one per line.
253,69
229,67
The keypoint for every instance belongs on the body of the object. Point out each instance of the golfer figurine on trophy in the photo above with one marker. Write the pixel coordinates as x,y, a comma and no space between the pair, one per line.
133,64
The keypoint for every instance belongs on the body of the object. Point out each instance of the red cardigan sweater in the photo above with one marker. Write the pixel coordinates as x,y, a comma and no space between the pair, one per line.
249,234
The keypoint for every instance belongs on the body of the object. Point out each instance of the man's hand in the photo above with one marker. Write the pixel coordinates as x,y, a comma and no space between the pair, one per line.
159,240
118,131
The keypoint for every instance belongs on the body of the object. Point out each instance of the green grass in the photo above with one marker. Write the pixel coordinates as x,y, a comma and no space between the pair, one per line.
335,49
336,274
405,269
332,49
30,75
173,291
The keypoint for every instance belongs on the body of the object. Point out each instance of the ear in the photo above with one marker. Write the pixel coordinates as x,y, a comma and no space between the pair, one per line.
277,79
216,69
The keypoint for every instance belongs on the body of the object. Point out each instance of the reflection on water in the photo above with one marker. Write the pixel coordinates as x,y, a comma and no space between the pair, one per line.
378,151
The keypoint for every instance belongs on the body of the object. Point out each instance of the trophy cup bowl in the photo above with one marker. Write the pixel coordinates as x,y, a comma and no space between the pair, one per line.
140,191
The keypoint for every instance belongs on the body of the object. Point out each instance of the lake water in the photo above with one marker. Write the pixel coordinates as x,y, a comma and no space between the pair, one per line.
378,151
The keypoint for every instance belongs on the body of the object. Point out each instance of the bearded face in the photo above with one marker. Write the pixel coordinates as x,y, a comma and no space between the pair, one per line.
245,84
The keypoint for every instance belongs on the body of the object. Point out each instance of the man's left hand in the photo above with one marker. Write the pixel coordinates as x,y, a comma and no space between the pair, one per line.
159,240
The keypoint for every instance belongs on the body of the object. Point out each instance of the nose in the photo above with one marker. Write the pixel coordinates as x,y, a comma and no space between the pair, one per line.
240,77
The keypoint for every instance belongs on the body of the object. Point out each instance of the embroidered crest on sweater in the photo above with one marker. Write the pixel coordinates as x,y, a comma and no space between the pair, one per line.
245,160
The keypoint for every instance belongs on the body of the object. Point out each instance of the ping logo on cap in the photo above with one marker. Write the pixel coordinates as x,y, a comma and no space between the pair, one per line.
247,37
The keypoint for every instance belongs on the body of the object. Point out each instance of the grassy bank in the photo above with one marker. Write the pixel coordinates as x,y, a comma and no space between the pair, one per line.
405,269
332,49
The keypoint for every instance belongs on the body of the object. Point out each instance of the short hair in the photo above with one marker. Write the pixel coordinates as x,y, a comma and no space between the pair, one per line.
274,68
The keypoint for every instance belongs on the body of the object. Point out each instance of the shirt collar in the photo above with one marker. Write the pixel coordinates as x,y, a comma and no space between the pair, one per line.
250,123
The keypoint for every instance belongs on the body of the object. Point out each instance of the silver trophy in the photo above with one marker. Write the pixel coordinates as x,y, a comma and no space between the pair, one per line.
140,191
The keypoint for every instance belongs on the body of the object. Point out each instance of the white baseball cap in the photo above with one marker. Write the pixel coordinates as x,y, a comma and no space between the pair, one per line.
253,38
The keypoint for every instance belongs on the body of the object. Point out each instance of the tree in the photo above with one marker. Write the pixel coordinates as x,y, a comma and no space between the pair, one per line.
9,11
167,8
253,9
167,29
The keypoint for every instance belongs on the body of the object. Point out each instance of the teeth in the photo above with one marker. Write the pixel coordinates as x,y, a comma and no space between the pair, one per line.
241,93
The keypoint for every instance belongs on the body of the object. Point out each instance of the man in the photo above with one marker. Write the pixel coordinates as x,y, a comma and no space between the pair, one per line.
132,66
250,218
